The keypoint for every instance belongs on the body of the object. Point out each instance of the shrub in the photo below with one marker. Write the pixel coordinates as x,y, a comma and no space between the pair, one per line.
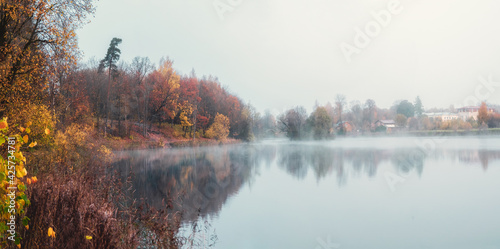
219,129
13,184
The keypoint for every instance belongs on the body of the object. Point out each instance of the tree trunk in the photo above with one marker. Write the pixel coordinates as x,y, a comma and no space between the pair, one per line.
145,116
107,99
195,116
119,116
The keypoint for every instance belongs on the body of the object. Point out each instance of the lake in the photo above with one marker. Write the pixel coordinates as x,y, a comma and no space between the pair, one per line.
362,192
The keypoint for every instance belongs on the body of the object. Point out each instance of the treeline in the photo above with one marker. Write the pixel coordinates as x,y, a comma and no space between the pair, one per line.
329,120
117,96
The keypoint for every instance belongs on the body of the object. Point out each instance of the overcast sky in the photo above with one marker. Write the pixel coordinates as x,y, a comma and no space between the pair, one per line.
277,54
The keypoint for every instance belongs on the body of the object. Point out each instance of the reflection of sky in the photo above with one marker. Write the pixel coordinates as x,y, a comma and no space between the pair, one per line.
290,195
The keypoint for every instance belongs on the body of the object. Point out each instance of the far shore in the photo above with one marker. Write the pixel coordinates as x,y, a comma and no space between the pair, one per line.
471,132
166,141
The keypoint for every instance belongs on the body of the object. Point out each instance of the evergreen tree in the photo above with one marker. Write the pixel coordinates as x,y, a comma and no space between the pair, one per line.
419,109
109,62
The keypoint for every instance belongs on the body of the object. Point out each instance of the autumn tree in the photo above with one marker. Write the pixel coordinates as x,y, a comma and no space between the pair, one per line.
220,128
208,92
216,99
267,125
246,123
401,120
33,36
74,104
164,95
122,99
355,116
95,88
413,123
212,95
139,70
369,113
321,123
482,115
188,102
293,122
494,120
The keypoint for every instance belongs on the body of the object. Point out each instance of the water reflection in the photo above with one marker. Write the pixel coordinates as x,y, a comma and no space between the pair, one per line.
197,181
200,181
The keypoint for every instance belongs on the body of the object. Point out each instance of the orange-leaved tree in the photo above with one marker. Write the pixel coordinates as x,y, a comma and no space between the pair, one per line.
482,116
164,97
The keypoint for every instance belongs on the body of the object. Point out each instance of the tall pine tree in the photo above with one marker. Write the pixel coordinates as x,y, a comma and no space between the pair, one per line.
109,62
419,109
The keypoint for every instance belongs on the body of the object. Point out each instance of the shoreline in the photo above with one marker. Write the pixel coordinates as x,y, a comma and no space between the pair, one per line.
427,133
127,144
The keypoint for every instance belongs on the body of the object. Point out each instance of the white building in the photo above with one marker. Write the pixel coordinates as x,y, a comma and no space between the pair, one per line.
444,116
468,112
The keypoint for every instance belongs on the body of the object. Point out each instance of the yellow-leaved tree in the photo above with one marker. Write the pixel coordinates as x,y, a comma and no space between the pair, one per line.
184,118
13,199
220,128
37,45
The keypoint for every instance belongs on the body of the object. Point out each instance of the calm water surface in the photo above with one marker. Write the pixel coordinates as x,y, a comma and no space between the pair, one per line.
402,192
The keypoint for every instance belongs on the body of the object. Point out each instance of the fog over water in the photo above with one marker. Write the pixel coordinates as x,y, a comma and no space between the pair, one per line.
399,192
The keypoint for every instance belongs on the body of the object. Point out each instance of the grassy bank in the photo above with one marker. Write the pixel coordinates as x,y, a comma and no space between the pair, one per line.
156,136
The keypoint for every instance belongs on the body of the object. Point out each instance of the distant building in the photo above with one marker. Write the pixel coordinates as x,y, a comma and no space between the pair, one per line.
444,116
468,112
348,127
388,124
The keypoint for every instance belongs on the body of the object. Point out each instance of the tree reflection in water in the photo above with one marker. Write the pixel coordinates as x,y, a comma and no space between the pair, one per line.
198,182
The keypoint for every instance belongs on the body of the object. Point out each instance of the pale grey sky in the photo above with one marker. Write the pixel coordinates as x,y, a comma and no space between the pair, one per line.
281,53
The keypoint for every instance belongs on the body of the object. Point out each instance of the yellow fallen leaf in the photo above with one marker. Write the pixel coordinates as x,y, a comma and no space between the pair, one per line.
27,227
21,128
51,232
3,124
33,144
28,124
25,138
47,131
19,174
88,237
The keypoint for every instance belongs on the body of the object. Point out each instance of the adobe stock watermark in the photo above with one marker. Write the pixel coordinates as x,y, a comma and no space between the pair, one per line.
328,244
483,91
372,29
222,7
424,148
